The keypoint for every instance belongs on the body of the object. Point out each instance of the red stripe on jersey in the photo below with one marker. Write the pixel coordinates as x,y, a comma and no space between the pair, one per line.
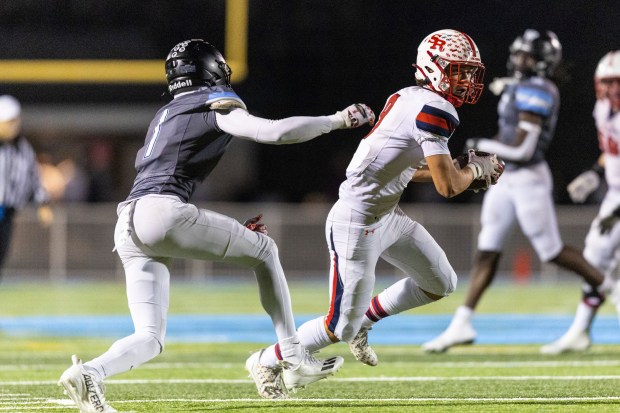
433,120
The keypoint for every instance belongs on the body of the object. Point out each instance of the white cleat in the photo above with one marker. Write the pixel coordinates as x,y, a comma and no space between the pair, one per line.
268,380
574,342
457,333
82,387
310,370
361,350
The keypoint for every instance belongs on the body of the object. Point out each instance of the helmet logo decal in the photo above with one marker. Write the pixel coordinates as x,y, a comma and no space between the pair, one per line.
437,42
179,48
179,84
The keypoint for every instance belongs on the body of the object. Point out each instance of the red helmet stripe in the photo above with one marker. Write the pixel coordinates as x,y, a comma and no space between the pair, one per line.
471,43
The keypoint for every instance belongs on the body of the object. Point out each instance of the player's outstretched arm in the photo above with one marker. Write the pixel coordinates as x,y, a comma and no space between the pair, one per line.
238,122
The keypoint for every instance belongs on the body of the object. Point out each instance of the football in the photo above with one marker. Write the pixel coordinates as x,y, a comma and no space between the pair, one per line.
477,184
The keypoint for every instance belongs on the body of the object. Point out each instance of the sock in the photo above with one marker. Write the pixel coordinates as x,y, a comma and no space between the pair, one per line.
400,296
124,355
583,317
95,372
313,336
587,308
462,315
375,311
290,350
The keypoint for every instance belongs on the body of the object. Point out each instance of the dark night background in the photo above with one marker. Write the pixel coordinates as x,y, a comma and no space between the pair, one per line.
317,57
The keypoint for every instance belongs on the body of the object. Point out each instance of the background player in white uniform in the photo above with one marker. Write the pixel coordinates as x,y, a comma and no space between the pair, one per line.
409,142
157,223
603,239
528,111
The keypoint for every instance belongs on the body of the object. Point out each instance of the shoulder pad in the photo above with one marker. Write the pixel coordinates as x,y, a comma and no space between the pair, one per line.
225,104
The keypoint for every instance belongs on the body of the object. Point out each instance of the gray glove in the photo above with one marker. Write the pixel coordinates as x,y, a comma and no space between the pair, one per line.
485,167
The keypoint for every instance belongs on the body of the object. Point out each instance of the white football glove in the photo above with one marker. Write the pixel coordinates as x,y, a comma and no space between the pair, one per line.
583,185
498,84
357,115
485,167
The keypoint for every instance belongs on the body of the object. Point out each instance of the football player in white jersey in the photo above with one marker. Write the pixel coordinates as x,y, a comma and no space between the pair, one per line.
528,110
157,222
603,239
408,143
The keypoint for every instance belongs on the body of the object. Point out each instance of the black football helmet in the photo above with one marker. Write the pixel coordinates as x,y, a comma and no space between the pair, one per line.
545,48
194,63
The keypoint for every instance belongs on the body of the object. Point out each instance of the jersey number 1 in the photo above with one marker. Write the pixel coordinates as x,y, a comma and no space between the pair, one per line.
149,149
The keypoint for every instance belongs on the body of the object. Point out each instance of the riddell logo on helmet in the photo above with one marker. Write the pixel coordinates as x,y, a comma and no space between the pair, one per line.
179,84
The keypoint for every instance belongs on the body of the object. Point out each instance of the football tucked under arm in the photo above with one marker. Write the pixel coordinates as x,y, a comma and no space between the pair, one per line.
487,168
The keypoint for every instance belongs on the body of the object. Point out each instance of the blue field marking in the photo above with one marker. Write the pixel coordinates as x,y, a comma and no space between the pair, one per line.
400,329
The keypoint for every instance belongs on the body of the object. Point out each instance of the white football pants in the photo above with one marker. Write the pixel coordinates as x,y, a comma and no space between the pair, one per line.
522,196
601,250
162,228
356,243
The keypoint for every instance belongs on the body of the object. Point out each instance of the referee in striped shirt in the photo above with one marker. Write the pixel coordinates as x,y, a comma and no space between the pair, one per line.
19,173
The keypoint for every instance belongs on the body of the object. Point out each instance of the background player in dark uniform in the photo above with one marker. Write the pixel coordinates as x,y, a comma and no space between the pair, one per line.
156,223
19,173
528,111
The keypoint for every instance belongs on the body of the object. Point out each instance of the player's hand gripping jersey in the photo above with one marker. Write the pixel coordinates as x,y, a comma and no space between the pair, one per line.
415,123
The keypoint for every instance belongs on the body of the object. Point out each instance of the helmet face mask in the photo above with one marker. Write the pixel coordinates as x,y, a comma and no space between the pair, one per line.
448,63
194,63
534,53
465,82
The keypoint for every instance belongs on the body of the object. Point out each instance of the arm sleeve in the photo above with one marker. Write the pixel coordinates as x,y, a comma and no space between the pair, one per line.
238,122
522,153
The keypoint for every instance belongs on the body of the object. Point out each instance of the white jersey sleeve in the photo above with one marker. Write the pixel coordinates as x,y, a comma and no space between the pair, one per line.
414,124
238,122
609,141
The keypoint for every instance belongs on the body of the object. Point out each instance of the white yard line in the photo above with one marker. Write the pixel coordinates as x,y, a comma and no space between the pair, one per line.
52,404
450,364
335,379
